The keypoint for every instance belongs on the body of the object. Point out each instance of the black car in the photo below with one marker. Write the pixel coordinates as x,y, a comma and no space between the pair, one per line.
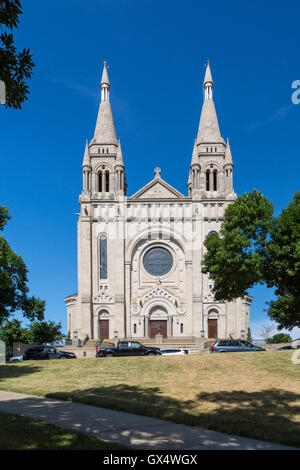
234,345
127,348
46,352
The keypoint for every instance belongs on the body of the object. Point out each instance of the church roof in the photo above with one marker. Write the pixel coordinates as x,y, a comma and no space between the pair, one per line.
157,188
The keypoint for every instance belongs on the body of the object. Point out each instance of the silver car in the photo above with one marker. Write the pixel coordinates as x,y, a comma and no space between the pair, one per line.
234,345
170,352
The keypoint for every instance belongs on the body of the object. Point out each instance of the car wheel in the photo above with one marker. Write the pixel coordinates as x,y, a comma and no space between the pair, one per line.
151,354
109,355
63,357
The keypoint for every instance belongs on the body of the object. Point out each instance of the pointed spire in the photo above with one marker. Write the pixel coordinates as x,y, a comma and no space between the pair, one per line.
86,158
195,154
105,132
228,156
209,131
105,79
208,76
119,159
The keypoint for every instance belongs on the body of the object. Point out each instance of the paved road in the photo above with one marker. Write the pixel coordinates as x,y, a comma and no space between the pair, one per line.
131,430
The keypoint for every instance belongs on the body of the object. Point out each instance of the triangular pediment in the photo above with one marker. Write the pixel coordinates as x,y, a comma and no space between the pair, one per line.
157,189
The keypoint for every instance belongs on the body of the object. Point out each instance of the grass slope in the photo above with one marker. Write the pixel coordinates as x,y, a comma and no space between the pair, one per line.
248,394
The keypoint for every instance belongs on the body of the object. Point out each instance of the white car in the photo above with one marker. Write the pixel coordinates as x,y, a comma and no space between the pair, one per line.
178,352
16,359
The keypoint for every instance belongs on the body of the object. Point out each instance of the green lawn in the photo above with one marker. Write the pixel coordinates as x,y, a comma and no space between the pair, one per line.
19,433
248,394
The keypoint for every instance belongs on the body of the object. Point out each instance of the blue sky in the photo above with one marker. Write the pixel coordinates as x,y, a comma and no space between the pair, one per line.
156,52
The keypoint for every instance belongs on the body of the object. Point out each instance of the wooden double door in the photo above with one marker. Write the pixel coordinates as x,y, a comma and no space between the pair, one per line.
158,327
212,328
104,329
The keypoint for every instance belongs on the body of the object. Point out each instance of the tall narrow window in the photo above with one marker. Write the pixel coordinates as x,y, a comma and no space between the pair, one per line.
100,181
215,180
107,181
103,257
207,180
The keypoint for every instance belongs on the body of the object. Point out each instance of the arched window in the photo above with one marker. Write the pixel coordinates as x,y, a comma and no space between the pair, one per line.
107,181
100,182
215,179
103,257
207,180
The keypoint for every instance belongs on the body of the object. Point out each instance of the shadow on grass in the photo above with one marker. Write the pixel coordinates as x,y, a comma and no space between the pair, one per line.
268,415
11,371
19,433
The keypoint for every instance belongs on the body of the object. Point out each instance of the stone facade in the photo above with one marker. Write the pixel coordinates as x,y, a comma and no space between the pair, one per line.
139,256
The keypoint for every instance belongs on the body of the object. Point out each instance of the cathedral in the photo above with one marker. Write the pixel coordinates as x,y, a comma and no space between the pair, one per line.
139,255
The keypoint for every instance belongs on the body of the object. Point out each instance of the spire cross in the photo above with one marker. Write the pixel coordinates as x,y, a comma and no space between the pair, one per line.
157,172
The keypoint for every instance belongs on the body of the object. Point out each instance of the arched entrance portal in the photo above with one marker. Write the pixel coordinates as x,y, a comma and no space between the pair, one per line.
158,321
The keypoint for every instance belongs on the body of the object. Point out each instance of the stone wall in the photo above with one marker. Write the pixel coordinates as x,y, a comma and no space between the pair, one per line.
19,348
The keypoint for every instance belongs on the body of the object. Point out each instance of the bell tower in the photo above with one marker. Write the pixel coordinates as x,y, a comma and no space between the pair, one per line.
103,167
210,175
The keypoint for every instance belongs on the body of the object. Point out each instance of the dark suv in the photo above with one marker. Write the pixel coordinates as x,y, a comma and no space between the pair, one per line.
233,345
46,352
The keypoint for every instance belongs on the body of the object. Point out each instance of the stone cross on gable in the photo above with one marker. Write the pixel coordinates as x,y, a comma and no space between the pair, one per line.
157,172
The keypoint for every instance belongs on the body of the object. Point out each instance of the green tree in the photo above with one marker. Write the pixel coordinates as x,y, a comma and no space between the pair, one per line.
15,67
13,332
13,282
280,338
249,336
44,332
254,247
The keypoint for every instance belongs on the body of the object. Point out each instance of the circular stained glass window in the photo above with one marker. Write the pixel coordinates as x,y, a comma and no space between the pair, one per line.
158,261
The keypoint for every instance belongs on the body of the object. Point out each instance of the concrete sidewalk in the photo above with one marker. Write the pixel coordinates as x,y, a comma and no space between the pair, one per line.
137,432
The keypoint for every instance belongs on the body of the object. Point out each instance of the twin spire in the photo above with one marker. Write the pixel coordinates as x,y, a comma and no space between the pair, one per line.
209,131
208,137
105,131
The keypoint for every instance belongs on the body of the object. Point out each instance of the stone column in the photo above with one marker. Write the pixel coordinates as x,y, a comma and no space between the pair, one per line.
127,298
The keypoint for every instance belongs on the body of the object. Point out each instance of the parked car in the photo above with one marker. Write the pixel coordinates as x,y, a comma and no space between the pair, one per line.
16,359
170,352
127,348
46,352
233,345
284,348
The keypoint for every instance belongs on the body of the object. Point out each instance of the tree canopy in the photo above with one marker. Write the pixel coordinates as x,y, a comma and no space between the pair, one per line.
279,338
15,67
34,333
254,247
